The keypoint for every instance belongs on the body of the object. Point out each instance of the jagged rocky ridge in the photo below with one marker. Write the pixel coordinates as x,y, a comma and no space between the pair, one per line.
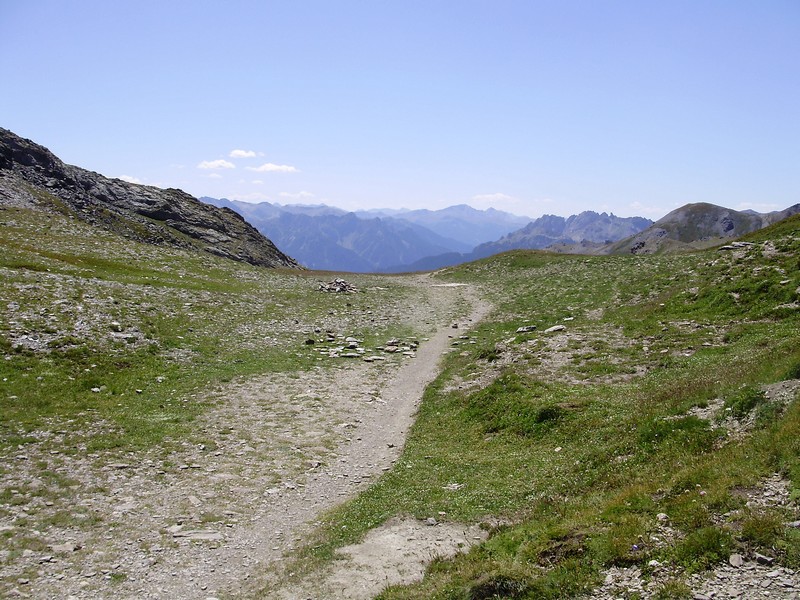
33,177
547,230
588,228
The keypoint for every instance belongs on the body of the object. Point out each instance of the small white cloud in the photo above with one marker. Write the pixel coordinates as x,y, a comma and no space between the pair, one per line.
257,182
214,176
129,179
273,168
242,154
298,196
216,164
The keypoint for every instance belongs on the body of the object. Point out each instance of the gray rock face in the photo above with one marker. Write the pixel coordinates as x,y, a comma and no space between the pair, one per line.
33,177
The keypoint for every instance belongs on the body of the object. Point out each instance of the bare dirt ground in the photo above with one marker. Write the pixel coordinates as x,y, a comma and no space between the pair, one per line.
212,519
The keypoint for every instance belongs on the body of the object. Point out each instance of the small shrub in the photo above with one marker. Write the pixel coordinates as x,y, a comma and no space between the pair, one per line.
621,544
745,400
703,548
768,413
498,586
489,354
793,372
762,529
789,546
674,590
571,579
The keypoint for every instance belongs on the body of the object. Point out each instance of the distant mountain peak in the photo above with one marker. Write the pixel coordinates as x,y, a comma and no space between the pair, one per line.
698,225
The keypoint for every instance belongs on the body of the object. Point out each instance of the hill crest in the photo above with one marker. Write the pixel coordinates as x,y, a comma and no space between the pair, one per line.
32,177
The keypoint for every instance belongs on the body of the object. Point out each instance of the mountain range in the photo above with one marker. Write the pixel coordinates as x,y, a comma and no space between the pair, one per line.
329,238
588,227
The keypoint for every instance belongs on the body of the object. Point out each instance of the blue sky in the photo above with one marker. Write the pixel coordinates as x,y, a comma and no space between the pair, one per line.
535,107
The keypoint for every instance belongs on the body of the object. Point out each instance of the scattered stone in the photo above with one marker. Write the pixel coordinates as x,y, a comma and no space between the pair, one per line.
526,328
555,328
337,286
764,560
431,522
736,560
736,245
65,548
200,535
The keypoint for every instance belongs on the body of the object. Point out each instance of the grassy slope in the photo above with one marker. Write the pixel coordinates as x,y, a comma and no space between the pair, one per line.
83,310
151,330
577,440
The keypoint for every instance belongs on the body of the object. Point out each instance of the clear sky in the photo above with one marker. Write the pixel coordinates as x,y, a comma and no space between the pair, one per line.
530,106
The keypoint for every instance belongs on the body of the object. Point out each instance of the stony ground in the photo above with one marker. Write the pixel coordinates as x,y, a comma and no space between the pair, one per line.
212,519
217,520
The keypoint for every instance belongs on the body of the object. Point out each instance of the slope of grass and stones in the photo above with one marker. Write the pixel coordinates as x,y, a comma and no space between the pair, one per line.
112,350
625,413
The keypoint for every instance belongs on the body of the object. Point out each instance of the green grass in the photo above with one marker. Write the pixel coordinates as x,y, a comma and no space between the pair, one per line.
582,454
576,441
84,310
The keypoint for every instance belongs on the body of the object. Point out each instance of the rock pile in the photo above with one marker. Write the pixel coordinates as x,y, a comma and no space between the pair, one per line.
338,346
338,285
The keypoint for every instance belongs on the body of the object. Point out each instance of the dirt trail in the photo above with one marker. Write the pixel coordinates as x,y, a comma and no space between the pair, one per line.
284,449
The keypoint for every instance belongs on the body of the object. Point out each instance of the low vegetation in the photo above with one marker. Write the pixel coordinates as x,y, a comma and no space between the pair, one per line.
112,350
639,435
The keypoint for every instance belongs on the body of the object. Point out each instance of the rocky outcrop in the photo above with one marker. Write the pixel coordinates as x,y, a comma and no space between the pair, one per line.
548,230
33,177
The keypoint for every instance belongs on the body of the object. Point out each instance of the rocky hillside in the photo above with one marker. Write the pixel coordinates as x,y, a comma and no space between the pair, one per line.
33,177
699,225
